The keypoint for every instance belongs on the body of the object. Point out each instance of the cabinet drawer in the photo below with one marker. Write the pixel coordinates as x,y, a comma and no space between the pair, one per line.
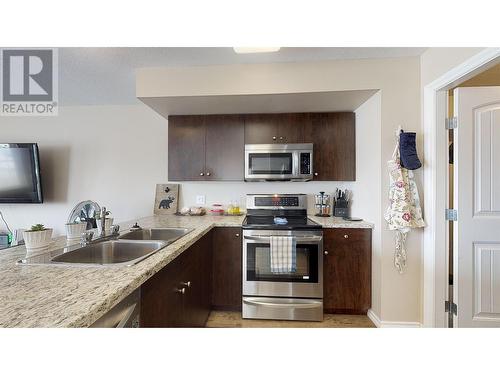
354,237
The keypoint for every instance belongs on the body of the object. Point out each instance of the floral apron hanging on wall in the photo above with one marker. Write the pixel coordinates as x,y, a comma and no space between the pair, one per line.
404,210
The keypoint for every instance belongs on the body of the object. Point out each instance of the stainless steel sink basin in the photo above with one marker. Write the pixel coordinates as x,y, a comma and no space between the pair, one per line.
128,249
110,252
159,234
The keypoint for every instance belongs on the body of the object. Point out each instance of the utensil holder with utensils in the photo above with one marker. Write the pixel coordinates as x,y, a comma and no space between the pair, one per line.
342,203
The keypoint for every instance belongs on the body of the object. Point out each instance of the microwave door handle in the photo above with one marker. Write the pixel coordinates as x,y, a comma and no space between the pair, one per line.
295,164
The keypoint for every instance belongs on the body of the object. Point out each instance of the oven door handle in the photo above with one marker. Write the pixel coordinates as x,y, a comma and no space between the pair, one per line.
299,239
256,302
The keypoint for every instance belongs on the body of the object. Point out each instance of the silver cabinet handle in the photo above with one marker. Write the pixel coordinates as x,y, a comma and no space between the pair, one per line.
346,236
274,138
181,291
315,173
237,234
281,138
326,252
202,174
208,173
187,284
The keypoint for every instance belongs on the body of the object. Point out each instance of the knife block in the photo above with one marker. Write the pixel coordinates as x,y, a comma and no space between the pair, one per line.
341,208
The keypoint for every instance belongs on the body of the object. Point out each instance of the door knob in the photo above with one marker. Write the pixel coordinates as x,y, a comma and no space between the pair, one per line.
187,284
346,236
315,173
274,138
237,234
281,138
326,252
181,291
208,173
202,174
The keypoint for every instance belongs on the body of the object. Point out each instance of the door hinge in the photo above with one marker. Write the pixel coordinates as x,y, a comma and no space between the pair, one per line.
451,123
451,215
451,307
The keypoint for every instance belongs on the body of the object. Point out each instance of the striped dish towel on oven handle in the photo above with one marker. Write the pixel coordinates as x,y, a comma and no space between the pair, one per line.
283,254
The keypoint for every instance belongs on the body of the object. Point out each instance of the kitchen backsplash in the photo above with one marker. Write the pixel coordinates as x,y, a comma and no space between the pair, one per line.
226,192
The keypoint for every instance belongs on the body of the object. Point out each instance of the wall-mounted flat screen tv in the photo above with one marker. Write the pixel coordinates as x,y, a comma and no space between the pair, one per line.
20,180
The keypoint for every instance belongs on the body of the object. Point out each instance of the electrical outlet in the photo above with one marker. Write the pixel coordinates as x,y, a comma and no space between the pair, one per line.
200,199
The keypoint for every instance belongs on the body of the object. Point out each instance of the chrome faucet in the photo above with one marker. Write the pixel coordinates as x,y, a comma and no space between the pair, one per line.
103,221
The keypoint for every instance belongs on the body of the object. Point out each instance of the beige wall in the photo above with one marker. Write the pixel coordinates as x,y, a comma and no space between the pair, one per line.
437,61
399,84
111,154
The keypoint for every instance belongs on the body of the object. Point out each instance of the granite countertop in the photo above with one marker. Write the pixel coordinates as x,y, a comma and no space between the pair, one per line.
76,296
338,222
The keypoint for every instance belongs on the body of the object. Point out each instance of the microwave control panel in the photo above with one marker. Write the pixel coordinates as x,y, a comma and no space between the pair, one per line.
305,163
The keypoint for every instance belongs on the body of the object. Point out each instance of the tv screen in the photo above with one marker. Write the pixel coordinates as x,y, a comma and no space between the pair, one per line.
20,180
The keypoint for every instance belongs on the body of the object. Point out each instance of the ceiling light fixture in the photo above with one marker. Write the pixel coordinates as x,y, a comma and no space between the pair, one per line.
256,49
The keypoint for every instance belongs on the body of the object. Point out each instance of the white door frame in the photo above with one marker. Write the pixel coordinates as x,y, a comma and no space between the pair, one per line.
434,264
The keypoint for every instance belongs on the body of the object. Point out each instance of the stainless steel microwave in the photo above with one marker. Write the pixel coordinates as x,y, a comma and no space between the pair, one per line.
279,162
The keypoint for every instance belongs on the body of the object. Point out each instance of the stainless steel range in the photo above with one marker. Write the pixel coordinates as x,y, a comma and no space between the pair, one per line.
282,259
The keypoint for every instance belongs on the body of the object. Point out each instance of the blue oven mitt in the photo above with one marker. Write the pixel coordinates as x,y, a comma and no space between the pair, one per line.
408,151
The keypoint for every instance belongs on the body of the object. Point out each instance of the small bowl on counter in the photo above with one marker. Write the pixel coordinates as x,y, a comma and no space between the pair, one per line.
217,210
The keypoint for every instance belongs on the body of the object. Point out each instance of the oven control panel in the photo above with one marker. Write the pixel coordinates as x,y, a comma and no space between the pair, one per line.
277,201
282,201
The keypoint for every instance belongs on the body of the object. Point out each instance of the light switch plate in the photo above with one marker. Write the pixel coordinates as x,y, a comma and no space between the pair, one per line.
200,199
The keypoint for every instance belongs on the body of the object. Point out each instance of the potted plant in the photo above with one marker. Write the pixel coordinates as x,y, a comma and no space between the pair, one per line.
38,237
107,224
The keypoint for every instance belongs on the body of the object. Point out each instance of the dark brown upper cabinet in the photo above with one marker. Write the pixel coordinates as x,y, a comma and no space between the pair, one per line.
186,148
269,128
225,142
206,147
334,138
211,147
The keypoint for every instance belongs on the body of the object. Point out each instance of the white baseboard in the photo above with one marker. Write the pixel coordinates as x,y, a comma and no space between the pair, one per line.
388,324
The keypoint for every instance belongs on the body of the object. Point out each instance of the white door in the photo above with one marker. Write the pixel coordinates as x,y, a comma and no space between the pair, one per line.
477,199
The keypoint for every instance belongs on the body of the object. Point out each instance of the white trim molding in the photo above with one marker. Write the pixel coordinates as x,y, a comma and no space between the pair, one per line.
434,264
389,324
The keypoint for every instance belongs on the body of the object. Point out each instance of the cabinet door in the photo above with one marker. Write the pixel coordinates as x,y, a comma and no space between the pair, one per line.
227,277
186,148
225,143
274,128
261,128
334,138
347,271
161,302
291,127
197,281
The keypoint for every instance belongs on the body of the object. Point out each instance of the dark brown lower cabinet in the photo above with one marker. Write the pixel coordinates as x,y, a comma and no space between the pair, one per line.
347,270
227,278
180,294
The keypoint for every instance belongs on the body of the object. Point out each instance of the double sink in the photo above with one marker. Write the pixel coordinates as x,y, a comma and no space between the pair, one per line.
128,249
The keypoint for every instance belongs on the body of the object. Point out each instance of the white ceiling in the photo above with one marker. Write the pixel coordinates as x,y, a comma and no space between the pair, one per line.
90,76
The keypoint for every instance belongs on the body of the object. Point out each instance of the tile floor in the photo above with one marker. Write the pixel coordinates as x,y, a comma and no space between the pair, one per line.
230,319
